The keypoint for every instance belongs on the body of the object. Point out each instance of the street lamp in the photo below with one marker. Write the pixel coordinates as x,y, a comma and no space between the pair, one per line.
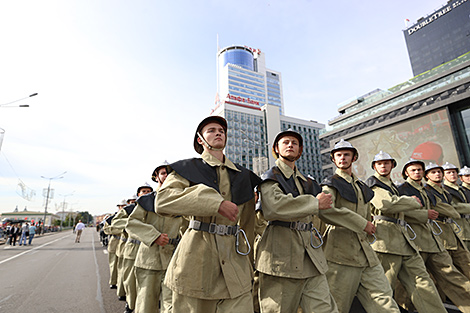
63,209
48,192
8,104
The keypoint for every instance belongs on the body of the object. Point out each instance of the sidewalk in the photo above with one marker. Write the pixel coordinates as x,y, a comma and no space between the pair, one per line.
4,240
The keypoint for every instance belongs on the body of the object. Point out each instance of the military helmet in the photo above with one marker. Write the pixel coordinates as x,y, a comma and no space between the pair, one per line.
158,168
210,119
144,186
343,145
411,162
285,133
383,156
449,166
464,171
431,166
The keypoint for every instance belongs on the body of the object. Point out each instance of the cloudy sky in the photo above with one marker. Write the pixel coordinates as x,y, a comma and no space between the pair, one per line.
122,84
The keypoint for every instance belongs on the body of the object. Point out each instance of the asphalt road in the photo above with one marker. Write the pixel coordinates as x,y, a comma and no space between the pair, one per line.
55,274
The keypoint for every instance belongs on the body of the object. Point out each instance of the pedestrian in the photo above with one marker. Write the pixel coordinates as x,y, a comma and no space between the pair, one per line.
159,236
14,230
78,229
24,233
353,266
211,270
453,283
394,245
289,257
32,232
464,176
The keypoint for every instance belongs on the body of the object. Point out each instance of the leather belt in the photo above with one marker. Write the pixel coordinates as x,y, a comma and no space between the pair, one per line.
447,220
293,225
466,216
390,219
212,228
137,242
174,241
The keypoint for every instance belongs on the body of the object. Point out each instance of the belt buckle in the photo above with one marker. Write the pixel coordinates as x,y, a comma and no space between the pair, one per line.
294,225
401,222
302,226
195,224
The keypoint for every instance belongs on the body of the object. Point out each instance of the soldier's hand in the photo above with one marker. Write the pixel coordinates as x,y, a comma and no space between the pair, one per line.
229,210
417,199
432,214
370,228
162,240
324,201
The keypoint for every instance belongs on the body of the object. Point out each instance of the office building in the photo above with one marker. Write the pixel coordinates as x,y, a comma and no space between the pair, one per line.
439,37
250,97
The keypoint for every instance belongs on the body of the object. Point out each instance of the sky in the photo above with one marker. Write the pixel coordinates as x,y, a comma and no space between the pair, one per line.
122,85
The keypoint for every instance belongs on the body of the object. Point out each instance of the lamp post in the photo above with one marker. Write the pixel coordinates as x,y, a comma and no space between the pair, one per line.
63,209
48,192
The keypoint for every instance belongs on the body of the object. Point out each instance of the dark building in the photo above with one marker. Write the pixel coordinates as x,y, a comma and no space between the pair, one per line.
439,37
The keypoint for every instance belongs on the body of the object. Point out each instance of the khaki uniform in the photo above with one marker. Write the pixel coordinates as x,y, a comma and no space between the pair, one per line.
437,260
205,267
463,208
398,254
292,272
152,260
453,243
354,268
129,253
117,227
112,258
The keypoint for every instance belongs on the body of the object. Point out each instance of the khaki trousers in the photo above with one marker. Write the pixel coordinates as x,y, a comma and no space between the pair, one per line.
454,284
461,259
112,260
369,284
120,278
149,289
185,304
412,274
285,295
128,276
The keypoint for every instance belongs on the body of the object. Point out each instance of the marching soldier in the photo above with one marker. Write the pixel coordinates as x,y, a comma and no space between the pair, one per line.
437,260
353,266
211,270
441,201
464,175
289,258
394,245
112,245
159,236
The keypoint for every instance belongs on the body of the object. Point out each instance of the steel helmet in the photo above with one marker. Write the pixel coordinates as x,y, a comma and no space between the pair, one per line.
284,133
410,162
155,171
210,119
343,145
146,185
464,171
432,166
449,166
383,156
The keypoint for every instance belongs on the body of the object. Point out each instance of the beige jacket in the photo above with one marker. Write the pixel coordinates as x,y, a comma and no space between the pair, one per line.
204,265
346,241
282,251
391,237
461,208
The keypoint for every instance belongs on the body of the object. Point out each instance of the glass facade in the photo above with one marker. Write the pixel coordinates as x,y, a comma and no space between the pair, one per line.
439,37
274,89
237,55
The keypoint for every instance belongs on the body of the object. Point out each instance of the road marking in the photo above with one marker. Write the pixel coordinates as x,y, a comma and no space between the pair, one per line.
99,296
5,299
27,251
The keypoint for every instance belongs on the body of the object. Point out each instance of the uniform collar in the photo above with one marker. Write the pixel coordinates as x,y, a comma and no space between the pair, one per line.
349,178
414,184
213,161
287,171
466,185
385,180
435,186
451,185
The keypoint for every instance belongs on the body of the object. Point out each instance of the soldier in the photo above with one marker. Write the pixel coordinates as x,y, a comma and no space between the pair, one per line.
441,201
211,270
353,267
395,249
159,236
464,175
112,246
291,263
437,260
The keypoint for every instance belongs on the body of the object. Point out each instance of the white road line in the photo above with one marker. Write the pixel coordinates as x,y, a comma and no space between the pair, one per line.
99,296
27,251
